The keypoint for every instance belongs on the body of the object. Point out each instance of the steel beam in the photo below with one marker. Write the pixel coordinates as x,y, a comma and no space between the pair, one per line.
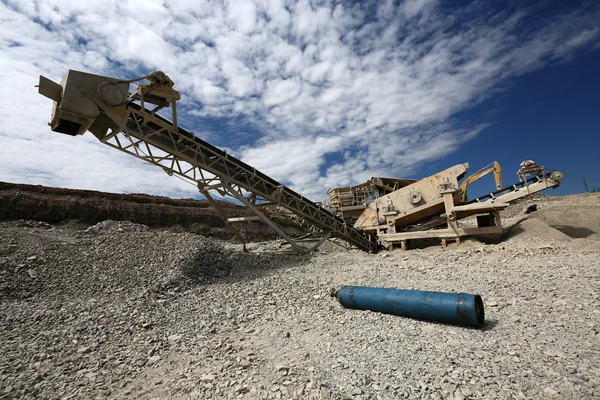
147,131
266,219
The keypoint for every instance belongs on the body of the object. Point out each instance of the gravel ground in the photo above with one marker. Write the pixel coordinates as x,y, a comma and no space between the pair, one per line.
117,310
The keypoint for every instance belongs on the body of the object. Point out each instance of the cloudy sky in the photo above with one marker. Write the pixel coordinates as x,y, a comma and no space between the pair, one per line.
315,94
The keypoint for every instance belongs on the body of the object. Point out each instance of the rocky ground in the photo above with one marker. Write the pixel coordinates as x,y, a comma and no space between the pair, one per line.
119,310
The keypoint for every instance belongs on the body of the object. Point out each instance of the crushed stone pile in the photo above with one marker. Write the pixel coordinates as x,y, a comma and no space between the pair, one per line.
573,217
534,228
577,222
111,258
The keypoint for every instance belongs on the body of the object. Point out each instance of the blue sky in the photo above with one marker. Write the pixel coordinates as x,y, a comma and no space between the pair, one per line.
551,116
316,94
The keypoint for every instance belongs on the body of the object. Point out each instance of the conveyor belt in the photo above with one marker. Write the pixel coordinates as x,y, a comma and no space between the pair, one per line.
183,145
514,188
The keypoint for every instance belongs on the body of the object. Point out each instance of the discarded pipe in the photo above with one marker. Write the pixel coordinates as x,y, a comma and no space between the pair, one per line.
454,308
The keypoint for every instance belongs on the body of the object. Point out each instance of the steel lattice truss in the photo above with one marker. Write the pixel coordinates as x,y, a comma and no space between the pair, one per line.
154,139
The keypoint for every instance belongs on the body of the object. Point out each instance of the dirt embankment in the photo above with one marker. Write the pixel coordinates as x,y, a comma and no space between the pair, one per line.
56,205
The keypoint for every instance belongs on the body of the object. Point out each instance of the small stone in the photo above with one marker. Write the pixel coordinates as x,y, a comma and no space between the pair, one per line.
153,359
84,350
208,377
31,258
174,338
91,376
147,325
458,395
491,304
242,390
281,368
356,390
32,273
550,392
325,393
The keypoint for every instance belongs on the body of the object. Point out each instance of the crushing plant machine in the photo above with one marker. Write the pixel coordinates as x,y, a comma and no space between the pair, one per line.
139,117
437,206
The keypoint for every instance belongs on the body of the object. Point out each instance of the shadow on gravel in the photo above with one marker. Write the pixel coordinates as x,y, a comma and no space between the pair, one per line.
489,325
574,232
213,263
513,229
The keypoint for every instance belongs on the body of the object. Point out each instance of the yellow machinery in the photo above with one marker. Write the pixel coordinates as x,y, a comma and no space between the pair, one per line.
350,202
493,167
436,206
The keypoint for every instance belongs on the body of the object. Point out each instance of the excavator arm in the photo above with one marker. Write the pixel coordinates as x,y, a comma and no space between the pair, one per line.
493,167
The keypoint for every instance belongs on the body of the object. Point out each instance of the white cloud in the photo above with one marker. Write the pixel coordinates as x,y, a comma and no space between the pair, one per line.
280,91
296,160
243,15
410,8
340,92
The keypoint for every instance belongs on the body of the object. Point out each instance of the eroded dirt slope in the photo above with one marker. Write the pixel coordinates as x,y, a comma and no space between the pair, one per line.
56,205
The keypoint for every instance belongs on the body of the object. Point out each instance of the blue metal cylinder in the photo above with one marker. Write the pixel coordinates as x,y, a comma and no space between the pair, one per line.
454,308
